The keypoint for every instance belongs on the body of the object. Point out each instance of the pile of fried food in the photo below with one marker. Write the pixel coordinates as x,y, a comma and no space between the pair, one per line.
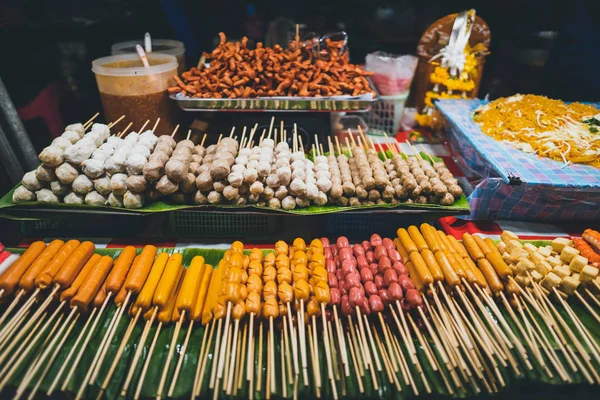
550,128
238,72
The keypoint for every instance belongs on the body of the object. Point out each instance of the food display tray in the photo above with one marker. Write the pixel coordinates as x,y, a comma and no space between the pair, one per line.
514,184
295,104
37,210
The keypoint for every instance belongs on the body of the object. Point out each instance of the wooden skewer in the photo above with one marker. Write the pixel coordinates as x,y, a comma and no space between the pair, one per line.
334,355
84,345
294,340
110,125
26,346
315,365
360,131
234,352
226,371
339,148
302,335
156,125
240,361
189,134
140,385
16,321
12,305
584,354
203,360
341,341
349,149
87,124
353,357
8,327
53,358
174,130
269,368
216,355
272,344
283,363
301,144
144,126
588,339
203,140
285,346
180,361
386,362
260,356
46,352
231,132
138,352
360,358
119,353
44,345
271,127
123,133
220,137
71,353
119,314
328,354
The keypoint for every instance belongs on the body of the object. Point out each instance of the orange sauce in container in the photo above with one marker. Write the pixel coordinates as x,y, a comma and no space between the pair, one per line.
128,88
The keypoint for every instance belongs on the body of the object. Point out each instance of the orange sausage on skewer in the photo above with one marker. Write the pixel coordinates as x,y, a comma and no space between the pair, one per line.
412,273
432,265
100,296
139,272
10,279
27,281
450,274
202,292
458,247
117,276
490,275
189,288
73,265
69,292
45,278
165,314
93,283
430,235
401,250
472,247
144,299
168,282
417,238
406,241
421,268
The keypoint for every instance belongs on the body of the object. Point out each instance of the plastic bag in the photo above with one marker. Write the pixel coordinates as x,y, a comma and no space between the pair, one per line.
393,73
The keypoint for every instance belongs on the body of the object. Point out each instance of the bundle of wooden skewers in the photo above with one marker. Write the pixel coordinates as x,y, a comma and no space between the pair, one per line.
417,314
129,170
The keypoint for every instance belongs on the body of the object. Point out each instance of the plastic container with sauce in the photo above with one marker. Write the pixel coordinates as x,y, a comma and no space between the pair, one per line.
162,46
128,88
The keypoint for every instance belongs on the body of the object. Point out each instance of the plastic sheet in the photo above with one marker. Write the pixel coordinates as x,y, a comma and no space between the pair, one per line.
393,73
515,185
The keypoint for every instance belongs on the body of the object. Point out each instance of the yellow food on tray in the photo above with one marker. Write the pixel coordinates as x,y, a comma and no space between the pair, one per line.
569,133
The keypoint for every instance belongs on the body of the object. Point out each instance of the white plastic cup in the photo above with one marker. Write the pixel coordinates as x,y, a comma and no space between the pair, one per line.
140,93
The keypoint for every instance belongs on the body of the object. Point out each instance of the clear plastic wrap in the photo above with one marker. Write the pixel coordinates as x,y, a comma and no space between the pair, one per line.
514,185
393,73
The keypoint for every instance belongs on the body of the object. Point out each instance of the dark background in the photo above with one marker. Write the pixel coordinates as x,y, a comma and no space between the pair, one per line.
542,47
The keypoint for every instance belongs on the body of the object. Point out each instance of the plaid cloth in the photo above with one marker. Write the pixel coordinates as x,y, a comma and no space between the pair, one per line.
516,185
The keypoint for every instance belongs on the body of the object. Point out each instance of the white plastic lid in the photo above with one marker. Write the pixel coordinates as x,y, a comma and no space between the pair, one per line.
109,66
163,46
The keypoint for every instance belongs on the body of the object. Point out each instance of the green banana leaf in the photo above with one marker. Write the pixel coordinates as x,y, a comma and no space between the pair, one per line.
9,209
529,379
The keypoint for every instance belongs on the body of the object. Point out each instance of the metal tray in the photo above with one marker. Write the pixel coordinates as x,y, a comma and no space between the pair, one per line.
295,104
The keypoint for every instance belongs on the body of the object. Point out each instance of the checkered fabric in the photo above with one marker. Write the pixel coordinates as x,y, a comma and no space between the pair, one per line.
547,189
